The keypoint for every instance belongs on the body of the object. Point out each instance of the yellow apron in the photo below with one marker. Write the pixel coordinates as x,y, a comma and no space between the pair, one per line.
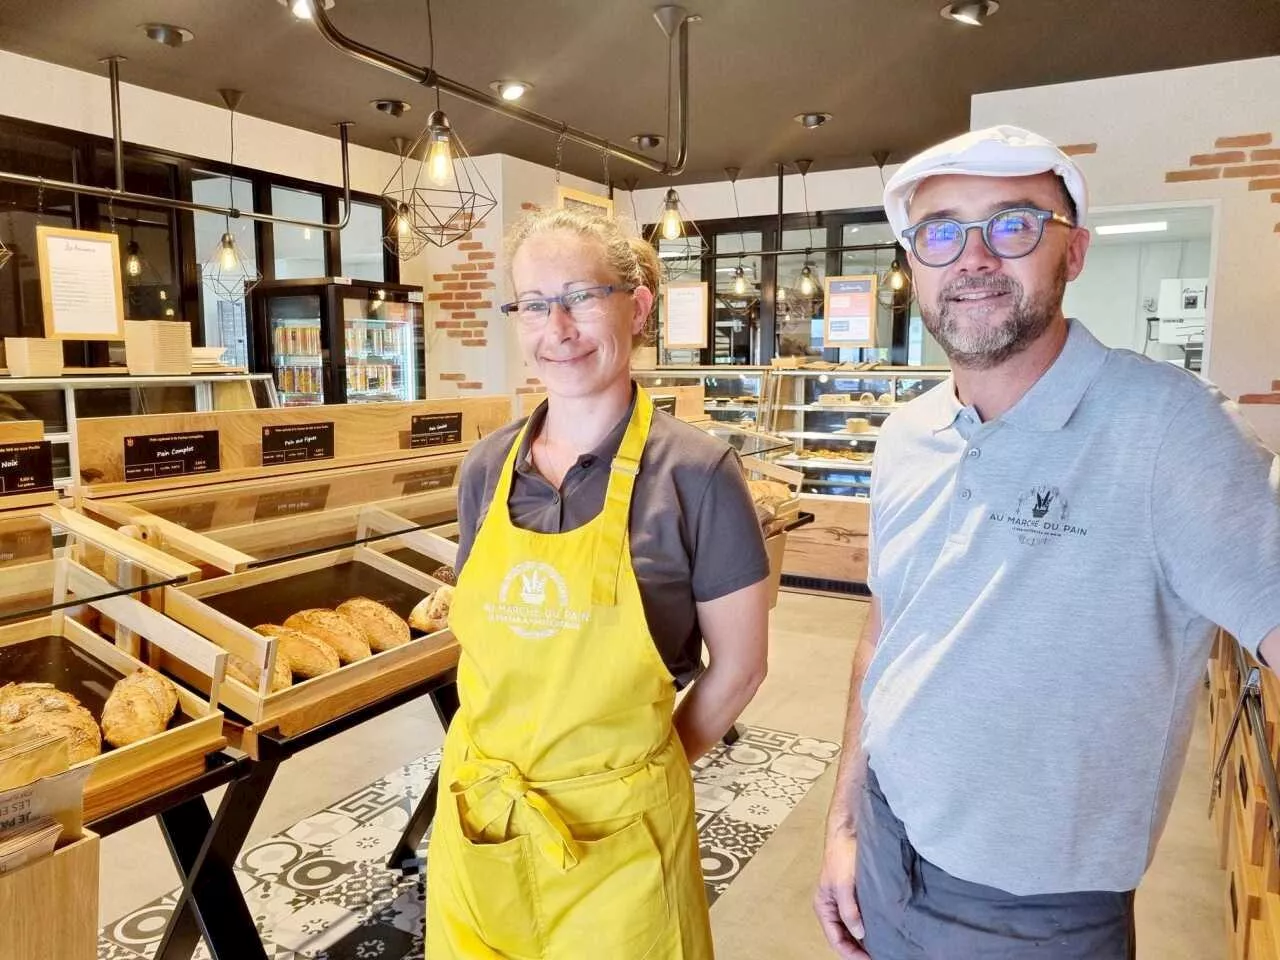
566,827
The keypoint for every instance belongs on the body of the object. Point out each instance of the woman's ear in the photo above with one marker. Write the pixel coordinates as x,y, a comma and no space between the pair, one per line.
643,298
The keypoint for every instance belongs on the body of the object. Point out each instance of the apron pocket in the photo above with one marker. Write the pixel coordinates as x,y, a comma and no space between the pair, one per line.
488,889
613,903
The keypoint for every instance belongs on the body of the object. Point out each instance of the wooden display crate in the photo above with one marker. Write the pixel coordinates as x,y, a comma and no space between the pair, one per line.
68,654
233,527
153,347
226,609
50,906
33,357
834,546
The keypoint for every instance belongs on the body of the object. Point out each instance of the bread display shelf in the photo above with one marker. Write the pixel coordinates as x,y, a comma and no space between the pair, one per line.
60,650
364,433
226,609
233,527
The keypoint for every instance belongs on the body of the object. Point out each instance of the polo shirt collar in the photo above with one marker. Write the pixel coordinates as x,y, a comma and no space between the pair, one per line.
605,450
1052,399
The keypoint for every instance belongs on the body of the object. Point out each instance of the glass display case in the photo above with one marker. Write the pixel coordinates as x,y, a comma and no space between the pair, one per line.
834,417
731,394
340,342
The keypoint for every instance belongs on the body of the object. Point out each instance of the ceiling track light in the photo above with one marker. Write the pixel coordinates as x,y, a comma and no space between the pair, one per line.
510,90
972,13
392,108
167,34
647,141
811,121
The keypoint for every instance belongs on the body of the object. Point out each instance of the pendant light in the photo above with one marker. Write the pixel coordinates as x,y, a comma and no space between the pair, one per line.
439,151
672,225
226,271
133,259
896,279
5,252
807,286
739,281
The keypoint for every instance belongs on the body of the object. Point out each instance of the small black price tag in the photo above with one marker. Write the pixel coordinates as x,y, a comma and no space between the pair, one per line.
26,467
296,443
423,481
435,429
287,503
153,456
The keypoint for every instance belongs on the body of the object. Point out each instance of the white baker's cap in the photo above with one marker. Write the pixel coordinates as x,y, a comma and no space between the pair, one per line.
1001,151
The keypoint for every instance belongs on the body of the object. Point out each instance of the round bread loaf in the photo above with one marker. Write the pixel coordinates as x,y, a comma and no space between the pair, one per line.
305,655
347,640
446,575
139,706
41,708
380,624
432,612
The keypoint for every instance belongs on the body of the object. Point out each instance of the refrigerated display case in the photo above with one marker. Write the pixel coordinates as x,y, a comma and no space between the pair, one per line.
731,394
338,342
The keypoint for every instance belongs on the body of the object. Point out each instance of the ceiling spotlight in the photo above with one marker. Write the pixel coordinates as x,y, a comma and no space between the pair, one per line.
302,8
971,13
510,90
392,108
647,141
811,121
167,34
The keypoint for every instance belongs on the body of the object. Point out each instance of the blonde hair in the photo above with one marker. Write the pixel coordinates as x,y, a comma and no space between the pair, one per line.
634,260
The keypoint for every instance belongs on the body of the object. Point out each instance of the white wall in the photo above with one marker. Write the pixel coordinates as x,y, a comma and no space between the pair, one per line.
1148,125
1119,279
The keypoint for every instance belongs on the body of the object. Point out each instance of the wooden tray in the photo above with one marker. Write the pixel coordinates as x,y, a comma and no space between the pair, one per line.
59,650
226,609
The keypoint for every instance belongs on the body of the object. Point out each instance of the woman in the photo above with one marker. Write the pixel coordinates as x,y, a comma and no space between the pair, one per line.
601,542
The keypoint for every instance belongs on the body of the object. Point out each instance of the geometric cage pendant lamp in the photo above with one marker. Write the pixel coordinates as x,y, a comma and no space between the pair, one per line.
227,271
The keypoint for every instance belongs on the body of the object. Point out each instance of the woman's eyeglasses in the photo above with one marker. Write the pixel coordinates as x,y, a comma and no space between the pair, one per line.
584,304
1008,234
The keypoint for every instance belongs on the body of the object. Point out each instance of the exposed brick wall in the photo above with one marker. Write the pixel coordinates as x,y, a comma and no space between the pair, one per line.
1246,157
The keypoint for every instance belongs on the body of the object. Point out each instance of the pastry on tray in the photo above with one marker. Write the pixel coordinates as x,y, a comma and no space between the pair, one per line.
347,640
380,624
306,656
248,673
41,708
857,425
432,612
886,399
446,575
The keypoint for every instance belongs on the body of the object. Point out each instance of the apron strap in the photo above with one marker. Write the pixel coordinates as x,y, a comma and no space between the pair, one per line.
614,523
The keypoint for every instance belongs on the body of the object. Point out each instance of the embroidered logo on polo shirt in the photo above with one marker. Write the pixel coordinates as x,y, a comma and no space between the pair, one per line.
1041,515
533,601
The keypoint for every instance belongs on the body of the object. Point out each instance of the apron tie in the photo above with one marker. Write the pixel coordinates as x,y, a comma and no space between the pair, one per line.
493,788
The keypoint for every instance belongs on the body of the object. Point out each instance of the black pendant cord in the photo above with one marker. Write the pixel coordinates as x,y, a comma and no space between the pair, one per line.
431,50
231,179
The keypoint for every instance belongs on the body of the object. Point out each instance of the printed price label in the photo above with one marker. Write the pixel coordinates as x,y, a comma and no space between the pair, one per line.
153,456
297,443
26,467
435,429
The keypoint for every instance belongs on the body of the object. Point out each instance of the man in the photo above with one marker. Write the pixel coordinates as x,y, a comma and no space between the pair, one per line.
1054,532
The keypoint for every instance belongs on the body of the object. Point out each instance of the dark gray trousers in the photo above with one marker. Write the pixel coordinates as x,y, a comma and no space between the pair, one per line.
913,910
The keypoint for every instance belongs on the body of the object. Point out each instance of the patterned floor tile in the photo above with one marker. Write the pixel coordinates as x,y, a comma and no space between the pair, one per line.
314,929
371,941
322,828
107,950
315,873
269,859
140,931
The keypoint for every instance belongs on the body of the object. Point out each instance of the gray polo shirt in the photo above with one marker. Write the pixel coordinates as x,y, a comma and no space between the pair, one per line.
694,532
1049,583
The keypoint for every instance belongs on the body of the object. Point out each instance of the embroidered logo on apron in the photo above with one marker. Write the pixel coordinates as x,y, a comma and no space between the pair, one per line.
533,601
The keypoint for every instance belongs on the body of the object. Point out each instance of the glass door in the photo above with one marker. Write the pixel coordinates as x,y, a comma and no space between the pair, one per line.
297,356
378,333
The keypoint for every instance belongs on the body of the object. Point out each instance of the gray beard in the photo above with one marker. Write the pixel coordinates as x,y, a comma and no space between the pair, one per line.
982,348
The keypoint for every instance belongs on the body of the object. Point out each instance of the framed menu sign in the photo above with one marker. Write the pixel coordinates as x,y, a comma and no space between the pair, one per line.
152,456
80,284
684,316
850,312
435,429
26,467
297,442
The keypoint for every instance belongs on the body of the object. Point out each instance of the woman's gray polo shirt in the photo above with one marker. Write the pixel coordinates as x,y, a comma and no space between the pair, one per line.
1049,583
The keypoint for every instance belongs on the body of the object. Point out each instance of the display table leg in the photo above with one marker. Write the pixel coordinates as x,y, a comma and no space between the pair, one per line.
205,850
405,856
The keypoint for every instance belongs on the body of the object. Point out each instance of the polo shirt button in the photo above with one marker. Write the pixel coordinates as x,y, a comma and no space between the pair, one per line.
966,494
975,452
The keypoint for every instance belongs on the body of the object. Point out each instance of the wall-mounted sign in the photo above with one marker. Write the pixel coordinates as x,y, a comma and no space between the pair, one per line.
153,456
26,467
435,429
684,316
80,284
849,313
297,443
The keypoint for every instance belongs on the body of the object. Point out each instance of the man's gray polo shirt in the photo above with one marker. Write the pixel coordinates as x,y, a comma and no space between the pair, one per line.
1049,582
